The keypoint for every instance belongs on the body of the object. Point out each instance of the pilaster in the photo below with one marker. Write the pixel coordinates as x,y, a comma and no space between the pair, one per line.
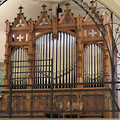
106,62
31,55
79,51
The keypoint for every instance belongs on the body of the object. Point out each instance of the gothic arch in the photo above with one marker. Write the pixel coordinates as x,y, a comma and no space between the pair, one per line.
98,44
25,49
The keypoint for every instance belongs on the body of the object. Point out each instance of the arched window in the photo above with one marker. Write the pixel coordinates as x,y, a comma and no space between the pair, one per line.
19,61
63,53
93,66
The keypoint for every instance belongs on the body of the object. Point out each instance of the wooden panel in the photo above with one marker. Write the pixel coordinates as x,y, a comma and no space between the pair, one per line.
93,103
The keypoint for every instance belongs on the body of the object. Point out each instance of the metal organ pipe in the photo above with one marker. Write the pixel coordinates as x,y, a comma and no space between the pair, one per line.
63,53
62,50
19,68
93,66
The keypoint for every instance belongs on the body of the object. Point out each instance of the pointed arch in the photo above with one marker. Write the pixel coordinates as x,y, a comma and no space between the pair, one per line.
20,20
43,19
67,16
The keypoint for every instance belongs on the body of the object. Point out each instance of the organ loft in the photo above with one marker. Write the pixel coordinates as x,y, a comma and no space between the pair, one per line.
57,66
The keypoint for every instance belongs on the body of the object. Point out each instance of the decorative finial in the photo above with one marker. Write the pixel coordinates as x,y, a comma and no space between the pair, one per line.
44,7
67,6
92,3
20,8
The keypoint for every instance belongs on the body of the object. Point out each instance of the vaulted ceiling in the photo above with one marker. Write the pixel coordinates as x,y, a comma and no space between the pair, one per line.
113,5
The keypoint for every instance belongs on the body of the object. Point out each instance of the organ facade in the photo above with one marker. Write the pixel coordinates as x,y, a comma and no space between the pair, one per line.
54,65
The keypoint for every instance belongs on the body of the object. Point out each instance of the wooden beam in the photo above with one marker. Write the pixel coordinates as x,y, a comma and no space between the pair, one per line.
93,39
19,43
26,28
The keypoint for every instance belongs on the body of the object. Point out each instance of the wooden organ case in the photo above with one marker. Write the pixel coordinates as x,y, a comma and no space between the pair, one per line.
58,52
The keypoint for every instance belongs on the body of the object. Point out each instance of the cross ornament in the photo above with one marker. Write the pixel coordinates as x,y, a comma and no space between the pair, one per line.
20,37
93,33
43,22
20,24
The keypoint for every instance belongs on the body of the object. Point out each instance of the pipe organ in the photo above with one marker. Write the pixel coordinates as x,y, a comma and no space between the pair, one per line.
75,48
45,56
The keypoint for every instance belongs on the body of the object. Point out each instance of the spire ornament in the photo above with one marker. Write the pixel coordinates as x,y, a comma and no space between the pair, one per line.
20,8
44,7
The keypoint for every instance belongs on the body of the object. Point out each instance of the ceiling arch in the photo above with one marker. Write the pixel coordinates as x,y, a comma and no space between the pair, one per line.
113,5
